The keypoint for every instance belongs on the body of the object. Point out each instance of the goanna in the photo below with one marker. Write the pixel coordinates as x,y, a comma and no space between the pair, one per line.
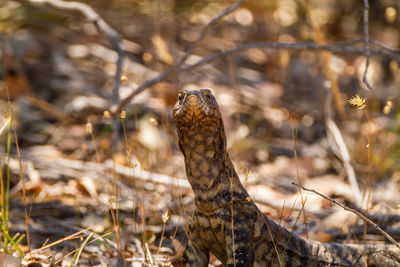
226,221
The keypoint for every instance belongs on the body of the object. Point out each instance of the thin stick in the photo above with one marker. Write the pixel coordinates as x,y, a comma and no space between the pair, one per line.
176,67
74,251
336,48
81,249
117,86
294,135
27,217
368,188
116,42
366,39
204,31
332,47
70,237
386,235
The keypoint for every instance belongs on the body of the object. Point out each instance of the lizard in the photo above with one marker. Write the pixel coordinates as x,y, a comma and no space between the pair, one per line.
226,222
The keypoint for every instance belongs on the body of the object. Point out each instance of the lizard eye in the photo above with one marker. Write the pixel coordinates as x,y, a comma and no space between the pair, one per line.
180,97
207,94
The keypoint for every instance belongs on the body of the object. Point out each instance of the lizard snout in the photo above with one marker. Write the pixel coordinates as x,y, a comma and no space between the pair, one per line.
196,108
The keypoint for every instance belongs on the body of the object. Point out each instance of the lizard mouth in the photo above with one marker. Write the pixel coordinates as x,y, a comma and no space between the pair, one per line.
195,108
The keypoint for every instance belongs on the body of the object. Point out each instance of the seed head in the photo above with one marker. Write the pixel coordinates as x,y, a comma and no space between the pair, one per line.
357,102
165,217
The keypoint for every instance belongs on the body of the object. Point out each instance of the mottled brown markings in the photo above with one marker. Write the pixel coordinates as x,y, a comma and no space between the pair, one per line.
202,141
200,148
214,171
204,166
198,137
193,170
196,156
209,154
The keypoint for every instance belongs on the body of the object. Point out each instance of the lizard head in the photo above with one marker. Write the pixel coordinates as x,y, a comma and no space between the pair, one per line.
197,109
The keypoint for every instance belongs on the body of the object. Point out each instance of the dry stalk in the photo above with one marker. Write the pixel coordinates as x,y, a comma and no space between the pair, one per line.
294,134
365,219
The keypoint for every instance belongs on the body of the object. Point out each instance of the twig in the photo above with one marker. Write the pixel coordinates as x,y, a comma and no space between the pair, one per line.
386,235
88,12
81,249
97,237
117,86
115,39
385,47
294,136
371,42
21,175
204,31
332,47
70,237
176,67
366,38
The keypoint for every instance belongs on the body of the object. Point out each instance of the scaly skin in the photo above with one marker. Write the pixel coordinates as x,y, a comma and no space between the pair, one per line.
222,202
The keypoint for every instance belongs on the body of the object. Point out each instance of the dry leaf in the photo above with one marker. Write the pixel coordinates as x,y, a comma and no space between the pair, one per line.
320,236
88,186
162,50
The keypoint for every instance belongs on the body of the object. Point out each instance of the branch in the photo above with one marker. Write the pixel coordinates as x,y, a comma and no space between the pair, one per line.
88,12
204,31
332,47
176,67
115,38
335,47
366,39
373,42
386,235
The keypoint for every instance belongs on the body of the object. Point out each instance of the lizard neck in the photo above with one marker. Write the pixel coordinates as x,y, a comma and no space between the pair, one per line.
209,169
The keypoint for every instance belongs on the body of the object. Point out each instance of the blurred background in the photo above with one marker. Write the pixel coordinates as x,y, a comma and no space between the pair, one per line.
59,71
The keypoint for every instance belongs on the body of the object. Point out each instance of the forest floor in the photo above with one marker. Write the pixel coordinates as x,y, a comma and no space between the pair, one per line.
89,203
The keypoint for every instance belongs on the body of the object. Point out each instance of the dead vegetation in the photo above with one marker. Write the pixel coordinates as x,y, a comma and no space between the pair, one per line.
92,85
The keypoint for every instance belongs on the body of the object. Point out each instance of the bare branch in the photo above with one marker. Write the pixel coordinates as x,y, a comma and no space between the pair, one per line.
117,86
174,68
204,31
335,47
386,235
88,12
115,38
371,42
385,47
366,39
332,47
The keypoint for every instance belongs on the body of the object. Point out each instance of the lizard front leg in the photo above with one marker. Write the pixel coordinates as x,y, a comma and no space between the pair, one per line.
239,248
195,253
195,257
